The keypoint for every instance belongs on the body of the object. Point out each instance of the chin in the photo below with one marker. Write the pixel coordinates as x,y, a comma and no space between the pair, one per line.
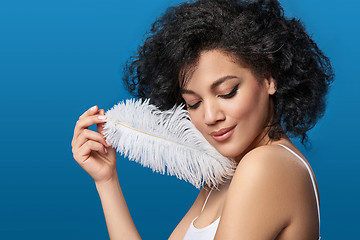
234,148
230,151
231,155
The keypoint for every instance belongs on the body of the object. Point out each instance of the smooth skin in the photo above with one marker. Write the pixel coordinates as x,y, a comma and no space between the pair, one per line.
98,159
269,197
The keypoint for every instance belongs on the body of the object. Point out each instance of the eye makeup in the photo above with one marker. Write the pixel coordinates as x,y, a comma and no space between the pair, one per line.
194,106
232,93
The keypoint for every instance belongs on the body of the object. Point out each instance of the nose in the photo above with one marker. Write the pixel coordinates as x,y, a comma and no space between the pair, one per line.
212,113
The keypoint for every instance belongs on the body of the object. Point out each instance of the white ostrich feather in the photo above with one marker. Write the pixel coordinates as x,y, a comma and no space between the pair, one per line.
165,141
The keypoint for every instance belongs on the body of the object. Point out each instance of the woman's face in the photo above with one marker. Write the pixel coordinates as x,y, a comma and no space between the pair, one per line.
228,104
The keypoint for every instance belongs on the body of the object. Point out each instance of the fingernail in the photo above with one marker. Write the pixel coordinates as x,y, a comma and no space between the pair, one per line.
92,108
105,150
102,117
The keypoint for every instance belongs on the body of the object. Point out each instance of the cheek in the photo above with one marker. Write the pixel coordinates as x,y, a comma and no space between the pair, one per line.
243,106
197,121
239,110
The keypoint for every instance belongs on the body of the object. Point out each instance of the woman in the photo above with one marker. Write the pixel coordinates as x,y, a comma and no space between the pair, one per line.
249,78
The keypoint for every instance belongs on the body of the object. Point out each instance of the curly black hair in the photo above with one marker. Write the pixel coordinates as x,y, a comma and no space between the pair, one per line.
258,35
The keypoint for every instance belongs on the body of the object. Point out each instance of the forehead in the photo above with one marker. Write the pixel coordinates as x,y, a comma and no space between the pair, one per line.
211,66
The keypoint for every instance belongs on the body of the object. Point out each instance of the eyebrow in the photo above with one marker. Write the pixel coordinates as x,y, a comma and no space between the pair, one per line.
221,80
213,85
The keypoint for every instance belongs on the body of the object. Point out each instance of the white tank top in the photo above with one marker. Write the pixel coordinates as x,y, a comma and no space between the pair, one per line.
208,232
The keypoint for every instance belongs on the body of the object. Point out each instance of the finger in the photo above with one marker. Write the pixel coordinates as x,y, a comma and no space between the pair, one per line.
87,135
91,111
100,126
84,123
83,153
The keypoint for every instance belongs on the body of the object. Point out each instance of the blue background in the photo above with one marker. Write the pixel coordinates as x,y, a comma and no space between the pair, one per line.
58,58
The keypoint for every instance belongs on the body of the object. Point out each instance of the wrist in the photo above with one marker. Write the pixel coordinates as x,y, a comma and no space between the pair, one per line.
113,180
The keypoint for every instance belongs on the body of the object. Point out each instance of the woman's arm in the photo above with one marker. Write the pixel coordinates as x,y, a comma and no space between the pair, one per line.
118,220
98,159
270,193
256,205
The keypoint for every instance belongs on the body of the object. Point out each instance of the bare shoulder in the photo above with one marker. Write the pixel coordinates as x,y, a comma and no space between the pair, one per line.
268,164
264,193
271,163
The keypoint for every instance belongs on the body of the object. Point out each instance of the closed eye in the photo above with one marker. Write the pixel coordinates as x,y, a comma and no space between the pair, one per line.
231,94
194,106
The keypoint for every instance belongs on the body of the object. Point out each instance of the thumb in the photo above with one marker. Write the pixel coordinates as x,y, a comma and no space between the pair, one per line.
100,126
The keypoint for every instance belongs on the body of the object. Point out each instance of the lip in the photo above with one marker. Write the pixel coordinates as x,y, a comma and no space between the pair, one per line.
223,134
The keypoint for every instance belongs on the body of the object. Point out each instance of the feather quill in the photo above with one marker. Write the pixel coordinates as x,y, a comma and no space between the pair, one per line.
166,142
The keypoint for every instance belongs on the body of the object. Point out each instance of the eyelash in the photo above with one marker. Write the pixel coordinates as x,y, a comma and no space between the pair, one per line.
193,106
229,95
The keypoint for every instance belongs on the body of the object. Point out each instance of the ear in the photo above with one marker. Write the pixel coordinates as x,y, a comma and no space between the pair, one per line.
271,85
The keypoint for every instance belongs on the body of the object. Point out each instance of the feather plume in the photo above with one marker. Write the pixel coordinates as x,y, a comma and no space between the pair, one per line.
165,141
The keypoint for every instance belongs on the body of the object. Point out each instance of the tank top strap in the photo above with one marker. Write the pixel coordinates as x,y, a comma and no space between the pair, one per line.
312,179
207,198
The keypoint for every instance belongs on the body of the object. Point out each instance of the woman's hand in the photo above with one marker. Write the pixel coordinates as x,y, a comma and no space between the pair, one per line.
90,149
